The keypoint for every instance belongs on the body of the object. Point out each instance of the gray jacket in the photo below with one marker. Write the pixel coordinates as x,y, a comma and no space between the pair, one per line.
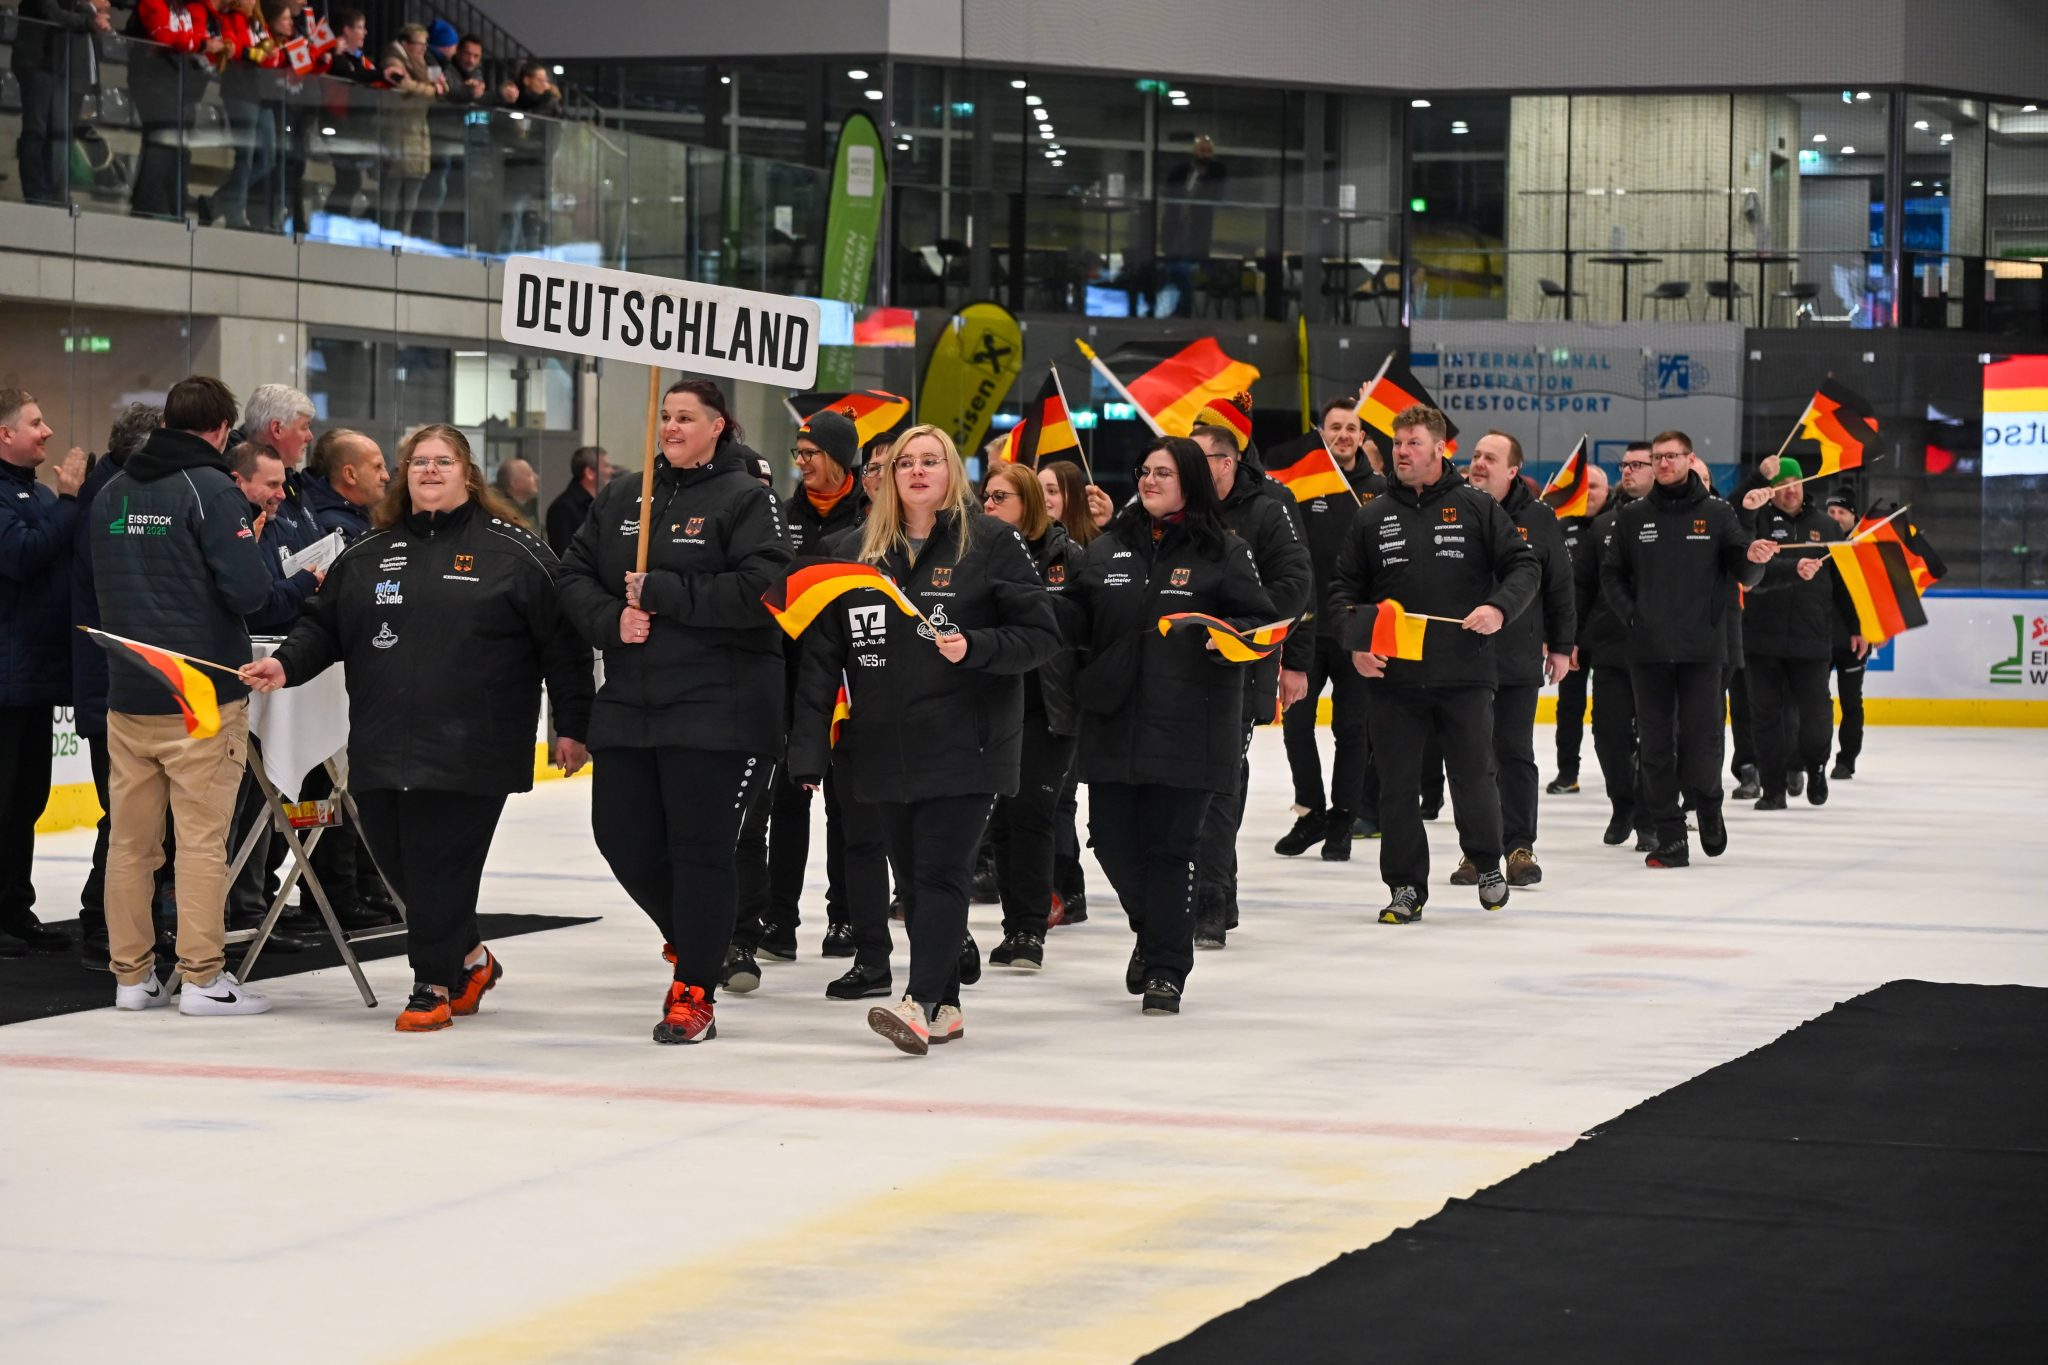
175,564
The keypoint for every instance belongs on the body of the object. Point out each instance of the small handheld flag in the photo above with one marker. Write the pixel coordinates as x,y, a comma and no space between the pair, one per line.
842,709
1171,384
1879,583
1570,490
1396,634
193,689
874,412
1394,390
1926,566
813,585
1843,424
1314,475
1238,646
1046,431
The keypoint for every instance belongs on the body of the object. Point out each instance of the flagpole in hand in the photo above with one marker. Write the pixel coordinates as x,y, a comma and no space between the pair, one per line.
1117,384
647,474
1365,389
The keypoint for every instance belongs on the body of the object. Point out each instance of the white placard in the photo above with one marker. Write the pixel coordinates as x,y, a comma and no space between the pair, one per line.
651,320
1980,647
315,557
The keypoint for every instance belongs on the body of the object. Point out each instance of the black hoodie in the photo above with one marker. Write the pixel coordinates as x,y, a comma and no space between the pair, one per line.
175,564
1671,571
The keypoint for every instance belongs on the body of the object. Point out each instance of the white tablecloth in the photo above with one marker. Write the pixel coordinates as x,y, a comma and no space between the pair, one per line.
300,727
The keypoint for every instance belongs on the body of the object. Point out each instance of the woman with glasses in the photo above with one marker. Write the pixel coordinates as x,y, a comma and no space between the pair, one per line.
1160,713
1024,828
934,728
445,619
690,717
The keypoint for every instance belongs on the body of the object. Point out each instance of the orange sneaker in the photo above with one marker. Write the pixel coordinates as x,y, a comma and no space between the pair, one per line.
686,1017
425,1012
476,982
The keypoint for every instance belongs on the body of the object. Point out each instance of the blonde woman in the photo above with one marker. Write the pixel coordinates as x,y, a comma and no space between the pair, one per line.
935,726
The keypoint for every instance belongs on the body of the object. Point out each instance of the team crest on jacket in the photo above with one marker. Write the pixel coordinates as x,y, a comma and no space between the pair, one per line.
694,526
1524,530
1181,577
1449,514
1813,535
1056,573
465,563
942,578
1699,526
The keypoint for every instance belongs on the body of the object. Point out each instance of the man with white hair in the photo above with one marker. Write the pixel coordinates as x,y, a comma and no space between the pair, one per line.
280,419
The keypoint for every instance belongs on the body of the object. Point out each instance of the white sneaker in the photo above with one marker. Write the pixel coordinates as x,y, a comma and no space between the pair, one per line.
145,995
903,1024
947,1025
222,995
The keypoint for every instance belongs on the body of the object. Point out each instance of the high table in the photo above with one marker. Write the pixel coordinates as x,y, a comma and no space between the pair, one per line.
1627,261
1762,260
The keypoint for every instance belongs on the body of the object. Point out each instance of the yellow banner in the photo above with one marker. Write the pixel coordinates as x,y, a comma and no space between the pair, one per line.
977,358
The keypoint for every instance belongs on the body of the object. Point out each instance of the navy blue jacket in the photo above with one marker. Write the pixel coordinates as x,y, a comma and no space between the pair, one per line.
88,660
289,530
332,512
35,591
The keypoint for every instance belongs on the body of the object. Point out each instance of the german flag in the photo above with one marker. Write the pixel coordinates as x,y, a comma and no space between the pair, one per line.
1396,634
1046,431
1238,646
816,584
1926,566
1570,490
1842,423
193,689
874,412
1314,475
1173,385
842,709
1875,573
1397,389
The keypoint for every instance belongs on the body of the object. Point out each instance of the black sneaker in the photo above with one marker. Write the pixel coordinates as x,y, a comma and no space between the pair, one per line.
1210,930
1675,854
1770,801
1161,997
778,943
1646,841
1025,952
859,983
838,940
1748,786
970,961
1134,972
93,951
1713,832
1493,890
1618,828
1844,770
742,975
1816,786
1465,874
1074,908
1432,808
356,916
1403,907
1337,837
1795,782
985,889
1563,785
1365,827
1309,830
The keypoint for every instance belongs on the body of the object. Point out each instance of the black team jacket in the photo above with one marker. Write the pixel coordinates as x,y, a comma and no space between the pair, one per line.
1261,512
1518,652
1671,570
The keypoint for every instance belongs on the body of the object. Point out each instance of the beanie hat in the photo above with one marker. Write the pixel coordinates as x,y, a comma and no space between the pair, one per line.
758,466
1228,416
1842,499
1788,472
833,432
442,34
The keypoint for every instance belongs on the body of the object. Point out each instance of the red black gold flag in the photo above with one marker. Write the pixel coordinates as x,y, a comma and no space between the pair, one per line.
874,412
193,689
1174,384
1314,475
1047,430
813,585
1875,573
1922,561
1238,646
1570,490
1843,424
1397,389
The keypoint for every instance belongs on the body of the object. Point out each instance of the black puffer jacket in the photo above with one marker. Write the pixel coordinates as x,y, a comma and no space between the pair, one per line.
175,564
1049,688
1440,551
445,627
922,727
88,660
36,535
1789,617
1603,640
1261,513
332,512
710,673
1161,708
1671,571
1325,524
1552,620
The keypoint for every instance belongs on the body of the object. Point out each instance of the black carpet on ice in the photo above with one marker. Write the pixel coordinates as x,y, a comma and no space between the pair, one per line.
1873,1186
45,984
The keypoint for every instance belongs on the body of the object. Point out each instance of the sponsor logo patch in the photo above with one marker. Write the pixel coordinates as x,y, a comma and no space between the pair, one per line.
866,625
385,636
388,594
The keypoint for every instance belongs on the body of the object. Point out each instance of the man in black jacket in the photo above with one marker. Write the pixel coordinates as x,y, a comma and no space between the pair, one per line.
1603,649
175,565
1261,514
1670,575
589,470
1437,546
55,64
1532,649
1573,687
1313,657
1788,635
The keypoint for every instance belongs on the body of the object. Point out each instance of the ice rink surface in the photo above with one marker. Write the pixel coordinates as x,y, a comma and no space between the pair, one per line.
1071,1182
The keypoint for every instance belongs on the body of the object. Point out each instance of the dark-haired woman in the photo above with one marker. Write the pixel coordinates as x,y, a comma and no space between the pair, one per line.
445,619
688,722
1023,829
936,704
1160,713
1083,510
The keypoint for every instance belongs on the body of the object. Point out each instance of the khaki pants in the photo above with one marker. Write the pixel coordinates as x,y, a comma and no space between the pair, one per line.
154,766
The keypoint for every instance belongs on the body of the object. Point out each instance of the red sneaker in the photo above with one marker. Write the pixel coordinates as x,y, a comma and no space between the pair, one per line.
425,1012
687,1017
476,982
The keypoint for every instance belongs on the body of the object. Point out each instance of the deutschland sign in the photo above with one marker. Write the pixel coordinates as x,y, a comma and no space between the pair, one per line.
652,320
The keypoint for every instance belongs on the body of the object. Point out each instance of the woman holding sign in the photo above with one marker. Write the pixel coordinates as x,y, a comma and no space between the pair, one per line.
1160,712
689,719
934,716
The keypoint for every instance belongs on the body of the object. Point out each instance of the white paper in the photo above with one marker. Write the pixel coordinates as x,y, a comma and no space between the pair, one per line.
315,557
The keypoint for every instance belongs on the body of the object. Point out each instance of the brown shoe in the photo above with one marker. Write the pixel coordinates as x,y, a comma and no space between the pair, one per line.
1466,875
1522,868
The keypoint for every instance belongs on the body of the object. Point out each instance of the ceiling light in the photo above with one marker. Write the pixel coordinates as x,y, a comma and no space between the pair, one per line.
872,94
1917,184
1921,124
1180,104
1176,94
1033,101
1941,194
327,132
1948,137
1848,151
2028,108
1418,104
1040,115
1045,133
725,80
1459,131
856,75
558,70
1862,94
1018,85
1820,137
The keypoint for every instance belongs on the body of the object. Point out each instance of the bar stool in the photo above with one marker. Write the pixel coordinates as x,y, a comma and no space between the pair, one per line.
1672,291
1552,290
1801,294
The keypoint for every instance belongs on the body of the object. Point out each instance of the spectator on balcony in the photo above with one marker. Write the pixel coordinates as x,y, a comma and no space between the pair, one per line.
350,109
248,93
402,129
1187,221
54,62
465,87
524,138
469,81
167,73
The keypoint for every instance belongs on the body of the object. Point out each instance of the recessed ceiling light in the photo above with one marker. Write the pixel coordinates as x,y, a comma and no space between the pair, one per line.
1459,130
1848,151
1948,137
1176,94
725,80
2028,108
1862,94
872,94
1820,137
558,70
856,75
1033,100
1018,85
1921,124
1918,183
1418,104
1941,194
1181,103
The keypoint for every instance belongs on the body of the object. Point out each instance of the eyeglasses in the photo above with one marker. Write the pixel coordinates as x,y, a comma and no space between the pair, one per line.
925,462
997,496
442,463
1672,456
1635,464
1157,475
804,452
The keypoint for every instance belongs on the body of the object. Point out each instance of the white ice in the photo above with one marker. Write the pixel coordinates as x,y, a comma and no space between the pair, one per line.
1072,1182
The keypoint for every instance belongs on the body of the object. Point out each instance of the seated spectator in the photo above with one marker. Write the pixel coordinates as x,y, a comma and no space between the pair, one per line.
344,480
521,487
54,63
167,73
406,145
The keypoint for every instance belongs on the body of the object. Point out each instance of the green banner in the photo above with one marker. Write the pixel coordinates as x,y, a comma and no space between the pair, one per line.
860,174
976,360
